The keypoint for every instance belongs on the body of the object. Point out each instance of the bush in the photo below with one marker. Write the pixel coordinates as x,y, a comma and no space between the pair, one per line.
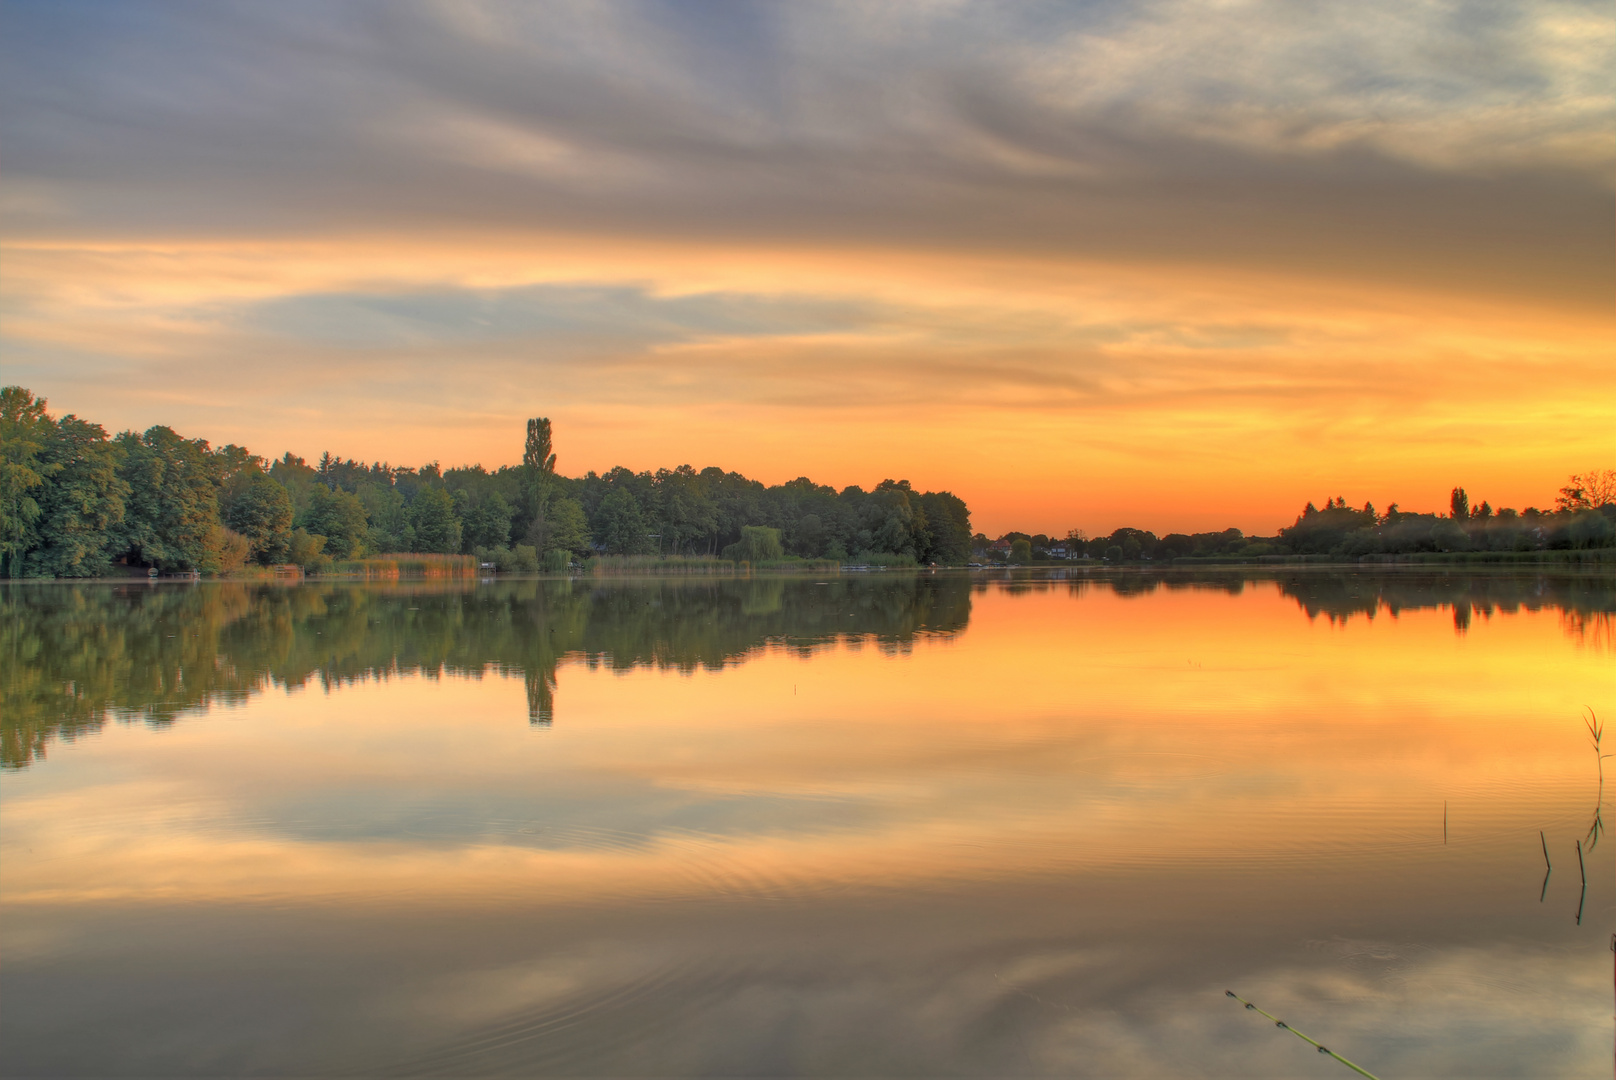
307,550
757,544
556,561
1591,529
234,549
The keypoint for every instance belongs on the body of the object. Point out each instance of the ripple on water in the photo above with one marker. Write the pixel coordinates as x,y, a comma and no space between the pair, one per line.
562,1035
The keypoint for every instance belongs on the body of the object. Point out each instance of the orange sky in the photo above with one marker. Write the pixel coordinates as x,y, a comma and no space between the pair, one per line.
1076,267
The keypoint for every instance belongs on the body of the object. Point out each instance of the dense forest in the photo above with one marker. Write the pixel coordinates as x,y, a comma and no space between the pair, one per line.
1584,516
75,502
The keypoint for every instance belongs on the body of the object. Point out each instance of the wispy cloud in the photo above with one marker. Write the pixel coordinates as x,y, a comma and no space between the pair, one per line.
1332,234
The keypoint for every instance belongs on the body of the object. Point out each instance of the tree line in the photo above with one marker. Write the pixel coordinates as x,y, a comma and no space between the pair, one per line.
1584,516
75,502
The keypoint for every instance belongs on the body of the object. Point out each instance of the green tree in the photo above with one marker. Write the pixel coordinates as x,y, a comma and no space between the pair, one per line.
622,526
81,505
389,517
172,514
486,519
757,543
306,549
25,428
261,511
340,517
947,529
538,476
432,517
1021,551
537,454
569,529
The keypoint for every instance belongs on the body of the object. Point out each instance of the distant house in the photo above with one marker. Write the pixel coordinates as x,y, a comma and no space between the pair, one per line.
1059,551
1000,545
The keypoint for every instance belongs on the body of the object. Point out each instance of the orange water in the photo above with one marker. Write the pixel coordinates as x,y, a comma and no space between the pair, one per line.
1043,842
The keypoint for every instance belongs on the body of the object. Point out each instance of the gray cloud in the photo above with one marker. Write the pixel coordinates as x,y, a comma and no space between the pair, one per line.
1451,147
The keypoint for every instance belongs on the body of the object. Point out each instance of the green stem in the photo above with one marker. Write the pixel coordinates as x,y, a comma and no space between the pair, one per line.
1321,1047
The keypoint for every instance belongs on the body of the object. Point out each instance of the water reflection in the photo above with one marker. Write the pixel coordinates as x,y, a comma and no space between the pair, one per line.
80,654
77,655
903,824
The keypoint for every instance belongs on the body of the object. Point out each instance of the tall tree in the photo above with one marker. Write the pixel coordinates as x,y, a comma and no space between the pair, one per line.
172,519
82,504
261,511
25,428
537,455
340,517
622,526
1459,504
433,519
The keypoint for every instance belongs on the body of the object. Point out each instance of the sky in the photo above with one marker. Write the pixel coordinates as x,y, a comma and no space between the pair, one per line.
1176,265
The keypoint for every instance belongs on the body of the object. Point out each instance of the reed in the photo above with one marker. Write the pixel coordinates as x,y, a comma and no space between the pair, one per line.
413,565
1360,1070
610,565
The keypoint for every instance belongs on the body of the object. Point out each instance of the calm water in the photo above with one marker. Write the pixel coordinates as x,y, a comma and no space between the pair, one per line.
881,825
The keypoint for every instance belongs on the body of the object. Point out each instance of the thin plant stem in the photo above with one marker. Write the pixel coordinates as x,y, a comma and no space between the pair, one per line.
1320,1046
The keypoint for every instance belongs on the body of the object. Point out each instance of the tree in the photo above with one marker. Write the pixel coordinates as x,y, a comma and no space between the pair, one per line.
262,513
24,430
306,549
173,506
757,544
339,517
1459,504
1588,491
433,519
81,505
622,526
569,529
948,529
487,520
537,455
1021,551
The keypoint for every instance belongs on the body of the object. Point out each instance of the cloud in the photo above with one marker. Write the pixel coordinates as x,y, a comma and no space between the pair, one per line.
1465,147
1092,243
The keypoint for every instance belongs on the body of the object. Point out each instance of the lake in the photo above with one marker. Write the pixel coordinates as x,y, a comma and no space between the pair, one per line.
885,824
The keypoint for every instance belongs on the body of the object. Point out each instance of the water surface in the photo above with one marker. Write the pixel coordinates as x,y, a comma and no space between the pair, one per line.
891,824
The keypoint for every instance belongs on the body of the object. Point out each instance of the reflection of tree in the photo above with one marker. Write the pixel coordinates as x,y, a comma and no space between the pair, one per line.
1587,601
78,655
1581,597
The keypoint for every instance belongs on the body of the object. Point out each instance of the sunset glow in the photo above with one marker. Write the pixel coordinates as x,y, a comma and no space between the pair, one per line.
1081,267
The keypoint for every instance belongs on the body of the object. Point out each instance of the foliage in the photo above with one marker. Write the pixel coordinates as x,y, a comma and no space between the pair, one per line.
161,499
757,543
173,508
307,550
622,527
261,512
234,550
433,522
340,517
80,506
24,430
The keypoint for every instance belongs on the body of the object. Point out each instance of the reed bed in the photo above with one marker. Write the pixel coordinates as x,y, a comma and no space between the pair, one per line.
393,567
609,565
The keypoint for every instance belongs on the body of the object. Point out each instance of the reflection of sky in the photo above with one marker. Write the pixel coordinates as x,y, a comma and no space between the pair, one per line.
1052,841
